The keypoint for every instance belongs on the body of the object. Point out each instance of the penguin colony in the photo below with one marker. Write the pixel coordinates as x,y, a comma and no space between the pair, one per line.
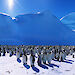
44,54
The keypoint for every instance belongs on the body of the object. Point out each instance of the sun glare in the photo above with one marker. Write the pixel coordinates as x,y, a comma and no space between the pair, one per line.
10,4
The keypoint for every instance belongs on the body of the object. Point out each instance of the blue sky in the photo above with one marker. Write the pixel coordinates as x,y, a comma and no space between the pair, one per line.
59,8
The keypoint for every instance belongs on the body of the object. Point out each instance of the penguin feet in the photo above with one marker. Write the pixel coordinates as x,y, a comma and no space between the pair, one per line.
24,63
32,65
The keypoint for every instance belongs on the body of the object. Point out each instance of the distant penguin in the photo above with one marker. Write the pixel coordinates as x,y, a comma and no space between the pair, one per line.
14,52
17,54
74,53
4,52
53,54
64,54
10,53
71,50
57,55
44,57
49,57
61,57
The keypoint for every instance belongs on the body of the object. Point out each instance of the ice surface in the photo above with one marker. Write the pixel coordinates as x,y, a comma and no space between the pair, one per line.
10,66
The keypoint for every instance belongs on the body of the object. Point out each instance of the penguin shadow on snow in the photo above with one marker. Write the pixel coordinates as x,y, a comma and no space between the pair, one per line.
18,60
65,61
35,69
43,66
69,60
52,65
26,66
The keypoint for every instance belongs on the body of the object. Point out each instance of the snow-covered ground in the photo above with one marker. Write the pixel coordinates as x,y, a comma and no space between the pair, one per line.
9,66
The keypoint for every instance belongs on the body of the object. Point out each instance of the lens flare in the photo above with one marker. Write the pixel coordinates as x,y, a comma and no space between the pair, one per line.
10,4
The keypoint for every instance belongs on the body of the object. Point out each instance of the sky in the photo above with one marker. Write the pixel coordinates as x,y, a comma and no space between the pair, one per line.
59,8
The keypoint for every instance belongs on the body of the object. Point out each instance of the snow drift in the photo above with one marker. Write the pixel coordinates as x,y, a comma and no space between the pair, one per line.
69,20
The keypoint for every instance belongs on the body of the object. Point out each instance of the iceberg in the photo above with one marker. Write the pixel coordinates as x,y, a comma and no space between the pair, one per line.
43,29
8,30
34,29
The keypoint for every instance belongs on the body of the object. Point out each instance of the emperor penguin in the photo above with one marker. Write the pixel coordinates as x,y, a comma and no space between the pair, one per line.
49,55
32,59
44,57
17,54
39,58
24,58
